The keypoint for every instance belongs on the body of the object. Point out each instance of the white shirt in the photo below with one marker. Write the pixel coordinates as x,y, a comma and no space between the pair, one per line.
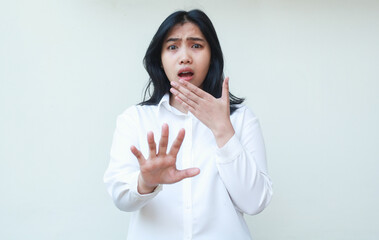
233,180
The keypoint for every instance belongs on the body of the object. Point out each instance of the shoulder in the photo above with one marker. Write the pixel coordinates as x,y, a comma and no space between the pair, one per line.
132,117
245,122
130,112
243,112
135,112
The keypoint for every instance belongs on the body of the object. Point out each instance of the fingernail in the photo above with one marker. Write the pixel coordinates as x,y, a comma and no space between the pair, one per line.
174,83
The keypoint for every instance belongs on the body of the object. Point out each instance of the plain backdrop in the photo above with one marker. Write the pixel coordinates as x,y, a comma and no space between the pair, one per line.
308,69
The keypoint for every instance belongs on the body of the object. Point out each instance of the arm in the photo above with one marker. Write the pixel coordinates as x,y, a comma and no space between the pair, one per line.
242,166
121,176
133,181
241,159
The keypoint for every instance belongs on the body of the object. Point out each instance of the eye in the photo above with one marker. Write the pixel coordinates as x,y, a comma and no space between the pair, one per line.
172,47
196,45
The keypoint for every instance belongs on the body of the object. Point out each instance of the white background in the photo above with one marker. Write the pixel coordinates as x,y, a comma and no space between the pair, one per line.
309,70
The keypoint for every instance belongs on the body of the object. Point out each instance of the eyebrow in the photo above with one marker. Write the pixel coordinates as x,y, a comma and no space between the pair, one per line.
189,38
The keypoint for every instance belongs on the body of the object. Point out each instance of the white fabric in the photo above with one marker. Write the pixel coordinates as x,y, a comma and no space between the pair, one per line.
233,180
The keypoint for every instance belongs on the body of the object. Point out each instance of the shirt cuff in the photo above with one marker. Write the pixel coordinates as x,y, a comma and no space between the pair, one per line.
230,151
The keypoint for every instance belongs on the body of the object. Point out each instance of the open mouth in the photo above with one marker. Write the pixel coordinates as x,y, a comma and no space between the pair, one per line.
185,74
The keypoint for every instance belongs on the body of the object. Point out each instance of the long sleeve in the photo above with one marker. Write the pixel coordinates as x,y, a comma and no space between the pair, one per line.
242,166
233,180
121,176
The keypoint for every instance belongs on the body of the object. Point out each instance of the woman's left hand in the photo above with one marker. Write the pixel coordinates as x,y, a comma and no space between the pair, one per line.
212,112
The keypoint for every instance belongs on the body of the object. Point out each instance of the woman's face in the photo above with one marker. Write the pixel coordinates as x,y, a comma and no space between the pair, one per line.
186,54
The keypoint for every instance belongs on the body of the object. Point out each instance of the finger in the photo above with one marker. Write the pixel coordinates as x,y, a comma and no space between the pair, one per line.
138,154
185,105
164,140
186,173
225,89
191,91
196,90
203,95
185,97
177,143
152,145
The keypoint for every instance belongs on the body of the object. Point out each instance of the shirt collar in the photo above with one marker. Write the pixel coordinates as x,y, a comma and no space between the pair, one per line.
165,104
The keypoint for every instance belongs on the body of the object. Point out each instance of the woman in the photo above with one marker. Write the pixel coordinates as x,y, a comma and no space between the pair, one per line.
209,167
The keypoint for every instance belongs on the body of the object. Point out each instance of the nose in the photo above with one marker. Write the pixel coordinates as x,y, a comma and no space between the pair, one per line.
185,58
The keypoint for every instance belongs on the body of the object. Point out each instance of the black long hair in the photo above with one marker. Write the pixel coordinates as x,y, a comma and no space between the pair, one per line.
152,60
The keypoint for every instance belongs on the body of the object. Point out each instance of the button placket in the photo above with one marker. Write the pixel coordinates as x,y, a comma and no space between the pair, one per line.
187,191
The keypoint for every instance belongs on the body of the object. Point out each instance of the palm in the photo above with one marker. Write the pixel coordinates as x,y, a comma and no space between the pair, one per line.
160,168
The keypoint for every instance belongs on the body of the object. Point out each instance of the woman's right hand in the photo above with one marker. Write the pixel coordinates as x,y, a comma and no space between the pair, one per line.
160,168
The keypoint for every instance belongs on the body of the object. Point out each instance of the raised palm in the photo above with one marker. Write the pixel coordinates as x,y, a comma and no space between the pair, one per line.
160,168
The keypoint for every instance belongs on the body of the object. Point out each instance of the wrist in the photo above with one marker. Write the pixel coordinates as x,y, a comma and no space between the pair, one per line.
223,134
144,188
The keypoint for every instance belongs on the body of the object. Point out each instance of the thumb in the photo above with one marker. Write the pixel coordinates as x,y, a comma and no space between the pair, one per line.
225,89
186,173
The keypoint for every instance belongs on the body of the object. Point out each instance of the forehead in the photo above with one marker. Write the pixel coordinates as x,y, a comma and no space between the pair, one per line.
187,29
